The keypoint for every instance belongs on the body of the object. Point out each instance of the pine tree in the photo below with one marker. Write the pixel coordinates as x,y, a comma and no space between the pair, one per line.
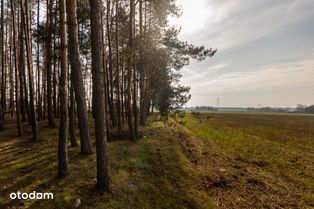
63,128
103,178
77,77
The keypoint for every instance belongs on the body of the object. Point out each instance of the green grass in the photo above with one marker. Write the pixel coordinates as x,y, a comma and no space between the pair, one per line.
150,173
285,143
210,160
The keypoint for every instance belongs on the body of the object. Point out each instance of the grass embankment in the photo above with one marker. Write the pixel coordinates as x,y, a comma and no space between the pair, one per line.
199,161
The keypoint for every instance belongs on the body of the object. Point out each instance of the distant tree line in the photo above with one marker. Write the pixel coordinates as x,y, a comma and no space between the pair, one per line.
299,109
204,108
309,109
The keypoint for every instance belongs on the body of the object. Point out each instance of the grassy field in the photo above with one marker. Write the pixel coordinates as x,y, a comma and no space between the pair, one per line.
208,160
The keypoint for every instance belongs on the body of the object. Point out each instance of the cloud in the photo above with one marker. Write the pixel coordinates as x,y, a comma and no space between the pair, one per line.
265,52
211,72
233,23
267,80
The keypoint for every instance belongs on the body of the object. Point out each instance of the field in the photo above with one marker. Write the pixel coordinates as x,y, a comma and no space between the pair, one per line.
206,160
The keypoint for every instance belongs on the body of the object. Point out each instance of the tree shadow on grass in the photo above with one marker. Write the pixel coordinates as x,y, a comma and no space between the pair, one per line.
151,173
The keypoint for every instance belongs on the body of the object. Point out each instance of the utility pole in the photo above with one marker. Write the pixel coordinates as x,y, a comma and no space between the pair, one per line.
218,100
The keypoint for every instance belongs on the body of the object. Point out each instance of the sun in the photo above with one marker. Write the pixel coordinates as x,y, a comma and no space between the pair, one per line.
194,15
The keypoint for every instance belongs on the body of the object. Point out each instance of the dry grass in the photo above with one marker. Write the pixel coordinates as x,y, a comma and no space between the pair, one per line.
254,161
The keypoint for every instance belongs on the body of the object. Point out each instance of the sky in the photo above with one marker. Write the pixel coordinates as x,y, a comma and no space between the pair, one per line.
265,52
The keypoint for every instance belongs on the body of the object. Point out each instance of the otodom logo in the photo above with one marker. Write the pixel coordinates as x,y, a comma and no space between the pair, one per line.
32,196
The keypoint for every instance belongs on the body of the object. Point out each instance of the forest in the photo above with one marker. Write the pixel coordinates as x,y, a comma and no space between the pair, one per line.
117,60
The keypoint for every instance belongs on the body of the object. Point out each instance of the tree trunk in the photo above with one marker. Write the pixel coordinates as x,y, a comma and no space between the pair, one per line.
49,63
39,100
105,74
103,178
130,67
63,128
17,103
110,63
2,102
142,69
72,118
54,74
32,116
26,106
122,91
77,77
118,69
43,96
21,66
135,97
11,106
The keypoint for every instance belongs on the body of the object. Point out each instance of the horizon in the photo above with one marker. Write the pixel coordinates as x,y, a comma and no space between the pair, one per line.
281,107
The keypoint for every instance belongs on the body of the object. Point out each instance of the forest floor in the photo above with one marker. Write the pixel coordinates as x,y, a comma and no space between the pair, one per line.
207,160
